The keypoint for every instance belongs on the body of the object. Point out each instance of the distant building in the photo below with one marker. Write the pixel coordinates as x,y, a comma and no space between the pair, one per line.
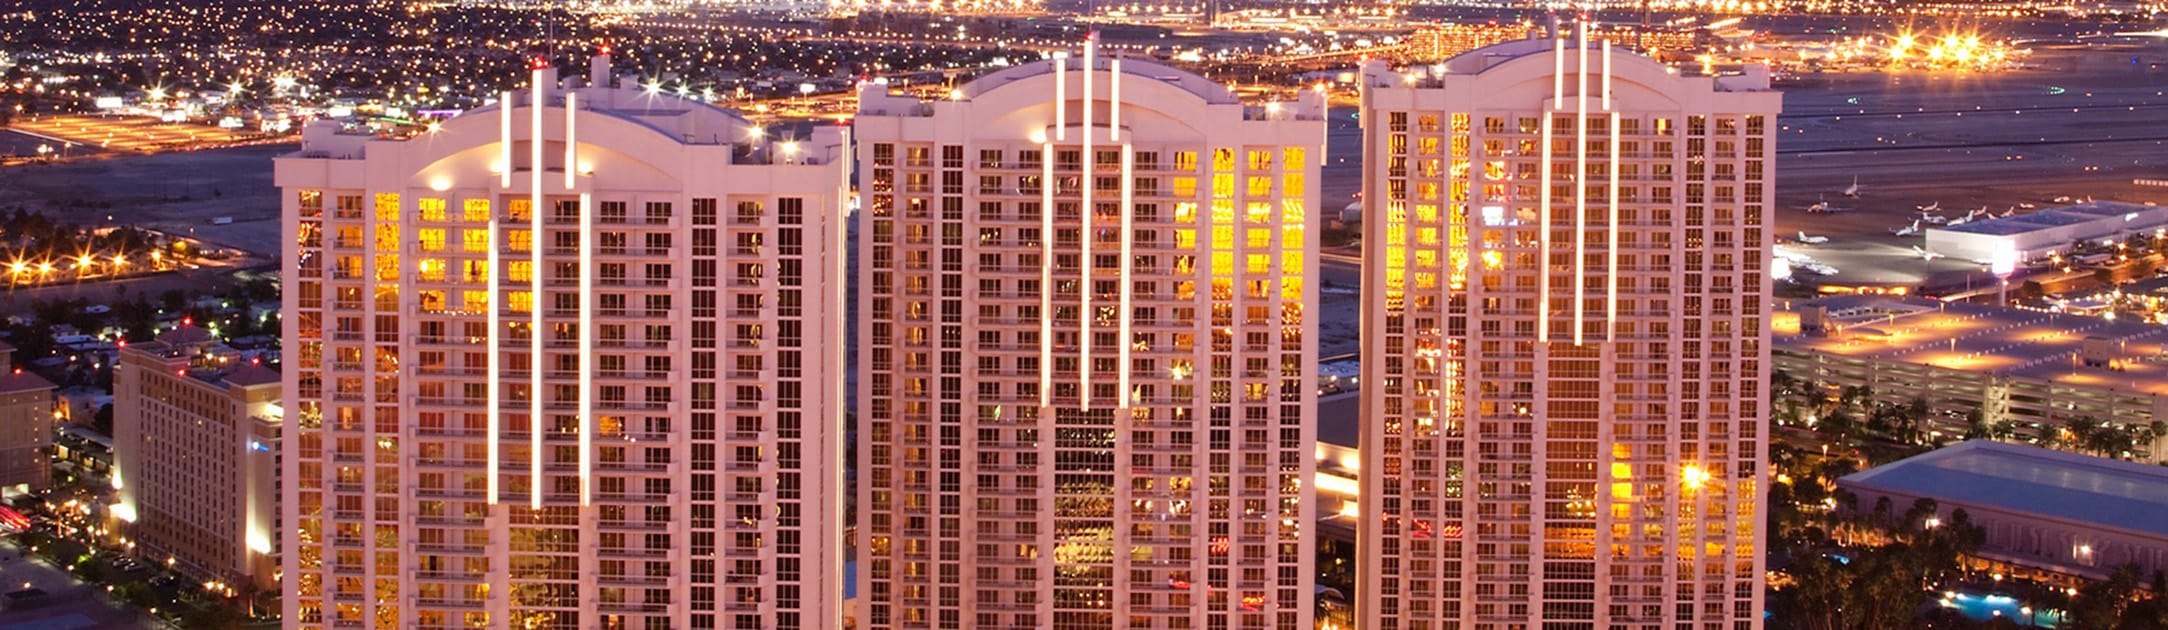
2051,511
26,427
196,435
1565,292
2038,235
2036,371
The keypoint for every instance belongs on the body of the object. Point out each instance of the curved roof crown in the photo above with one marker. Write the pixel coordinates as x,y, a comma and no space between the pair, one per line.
1208,90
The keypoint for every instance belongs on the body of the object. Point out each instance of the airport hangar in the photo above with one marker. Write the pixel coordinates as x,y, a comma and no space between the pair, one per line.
2039,235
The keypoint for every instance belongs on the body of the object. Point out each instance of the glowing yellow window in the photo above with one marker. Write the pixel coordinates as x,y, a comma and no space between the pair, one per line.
387,267
1223,160
1258,212
1260,185
1257,263
1292,185
1260,160
387,206
519,240
1185,212
1257,237
1185,161
520,210
476,271
1185,239
432,269
1223,186
1291,262
387,238
1223,238
477,240
1291,290
476,210
1223,211
1185,186
432,209
474,301
519,271
1291,211
1292,158
432,239
518,301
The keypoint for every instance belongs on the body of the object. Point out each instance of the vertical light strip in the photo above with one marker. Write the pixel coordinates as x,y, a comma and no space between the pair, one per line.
587,341
1129,194
1558,67
1084,183
1580,180
1114,106
572,144
1061,102
1046,270
1543,234
1610,288
540,95
1607,75
504,138
1610,326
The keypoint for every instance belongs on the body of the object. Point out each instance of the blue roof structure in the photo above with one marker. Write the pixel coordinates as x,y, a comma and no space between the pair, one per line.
2015,478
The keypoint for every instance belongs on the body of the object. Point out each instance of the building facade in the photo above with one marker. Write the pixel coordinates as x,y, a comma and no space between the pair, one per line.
26,428
196,440
1564,349
1087,348
571,360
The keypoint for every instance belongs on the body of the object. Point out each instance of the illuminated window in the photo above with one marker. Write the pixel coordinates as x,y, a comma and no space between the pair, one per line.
476,210
477,240
432,209
432,239
387,206
518,301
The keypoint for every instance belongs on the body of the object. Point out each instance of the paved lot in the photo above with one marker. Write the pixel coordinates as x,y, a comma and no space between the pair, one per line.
72,603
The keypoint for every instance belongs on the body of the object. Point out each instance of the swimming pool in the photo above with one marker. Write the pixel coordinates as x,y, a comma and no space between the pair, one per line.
1979,607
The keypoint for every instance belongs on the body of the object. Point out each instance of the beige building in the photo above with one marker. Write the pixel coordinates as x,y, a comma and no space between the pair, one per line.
196,441
1564,349
1087,352
26,428
570,360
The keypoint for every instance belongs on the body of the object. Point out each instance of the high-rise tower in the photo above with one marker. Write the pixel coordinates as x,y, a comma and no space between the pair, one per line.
1088,343
1564,346
572,360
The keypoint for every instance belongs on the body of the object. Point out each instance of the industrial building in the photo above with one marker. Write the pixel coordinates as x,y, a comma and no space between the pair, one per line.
2039,235
2037,370
2050,511
1565,282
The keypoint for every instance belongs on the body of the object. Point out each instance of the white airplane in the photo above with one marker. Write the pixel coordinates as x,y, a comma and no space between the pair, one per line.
2007,212
1823,207
1930,256
2027,205
1968,218
2062,199
1812,240
1935,219
1932,207
1817,268
1908,230
1852,190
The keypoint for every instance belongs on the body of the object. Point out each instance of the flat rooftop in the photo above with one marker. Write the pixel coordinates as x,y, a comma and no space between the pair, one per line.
2032,480
2052,217
1974,338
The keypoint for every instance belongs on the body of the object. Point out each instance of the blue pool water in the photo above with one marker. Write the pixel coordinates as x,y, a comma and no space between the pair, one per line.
1980,607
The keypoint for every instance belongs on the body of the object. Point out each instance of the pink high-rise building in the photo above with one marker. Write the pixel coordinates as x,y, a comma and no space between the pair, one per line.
1564,344
1086,352
570,360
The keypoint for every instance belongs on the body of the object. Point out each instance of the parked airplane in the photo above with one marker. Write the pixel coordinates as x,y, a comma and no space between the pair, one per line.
1968,218
1930,256
1852,190
1823,207
1935,219
1908,230
1932,207
2027,205
1812,240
